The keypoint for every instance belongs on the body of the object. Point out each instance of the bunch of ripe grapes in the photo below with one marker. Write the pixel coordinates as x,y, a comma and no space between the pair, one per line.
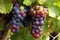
35,15
18,16
38,15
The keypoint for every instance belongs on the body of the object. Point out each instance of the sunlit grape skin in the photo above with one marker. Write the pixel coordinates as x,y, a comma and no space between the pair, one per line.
38,18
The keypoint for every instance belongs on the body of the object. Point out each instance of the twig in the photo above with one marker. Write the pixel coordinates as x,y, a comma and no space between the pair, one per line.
36,2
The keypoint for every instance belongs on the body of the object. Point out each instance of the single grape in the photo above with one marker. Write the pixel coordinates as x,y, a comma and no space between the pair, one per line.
37,11
41,8
41,23
37,23
37,36
22,13
45,11
37,7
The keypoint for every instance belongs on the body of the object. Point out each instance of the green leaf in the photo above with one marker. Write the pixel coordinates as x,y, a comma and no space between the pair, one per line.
59,36
58,26
53,11
41,1
57,4
28,2
5,6
53,25
49,3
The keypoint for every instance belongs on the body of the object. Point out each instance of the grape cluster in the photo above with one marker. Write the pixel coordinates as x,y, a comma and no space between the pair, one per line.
25,15
38,15
18,16
27,19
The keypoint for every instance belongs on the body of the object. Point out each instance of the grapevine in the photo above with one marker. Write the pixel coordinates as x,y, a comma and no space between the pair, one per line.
29,20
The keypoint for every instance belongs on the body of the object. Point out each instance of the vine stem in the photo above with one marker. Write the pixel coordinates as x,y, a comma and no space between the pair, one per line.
36,2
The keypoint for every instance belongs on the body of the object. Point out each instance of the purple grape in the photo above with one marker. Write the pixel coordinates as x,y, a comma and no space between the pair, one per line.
38,16
18,17
37,22
41,23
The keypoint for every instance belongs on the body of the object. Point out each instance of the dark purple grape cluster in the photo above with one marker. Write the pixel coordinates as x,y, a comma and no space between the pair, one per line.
18,16
38,15
27,20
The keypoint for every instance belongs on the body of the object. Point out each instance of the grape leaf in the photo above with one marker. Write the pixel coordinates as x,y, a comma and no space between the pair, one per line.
57,4
5,6
49,3
58,18
53,11
28,2
55,25
41,1
58,26
59,36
